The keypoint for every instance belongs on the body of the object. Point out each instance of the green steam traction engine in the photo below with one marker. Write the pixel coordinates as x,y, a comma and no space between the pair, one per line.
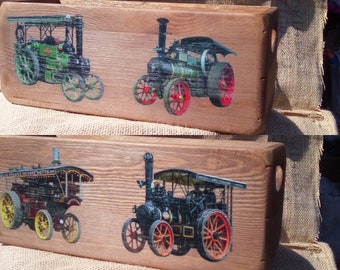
52,60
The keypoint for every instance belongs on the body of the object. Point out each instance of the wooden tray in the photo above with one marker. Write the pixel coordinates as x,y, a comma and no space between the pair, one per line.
117,163
119,41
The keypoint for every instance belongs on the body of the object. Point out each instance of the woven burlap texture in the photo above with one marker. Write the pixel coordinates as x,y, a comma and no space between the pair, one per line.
24,120
29,259
301,199
300,54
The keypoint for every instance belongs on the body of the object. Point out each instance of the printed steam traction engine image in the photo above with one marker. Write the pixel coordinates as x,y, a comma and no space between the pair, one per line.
182,210
40,196
189,67
52,60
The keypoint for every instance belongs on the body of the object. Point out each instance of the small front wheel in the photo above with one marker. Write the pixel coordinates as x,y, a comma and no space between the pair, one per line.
143,91
73,86
132,236
161,238
177,96
43,224
94,87
71,228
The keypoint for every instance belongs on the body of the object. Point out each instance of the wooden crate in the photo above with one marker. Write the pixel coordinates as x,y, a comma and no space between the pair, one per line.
119,41
117,163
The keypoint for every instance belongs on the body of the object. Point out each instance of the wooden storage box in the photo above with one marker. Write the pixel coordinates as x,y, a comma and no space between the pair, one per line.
116,164
228,68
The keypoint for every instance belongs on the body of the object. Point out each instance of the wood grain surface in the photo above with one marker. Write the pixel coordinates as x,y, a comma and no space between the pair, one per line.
119,42
116,163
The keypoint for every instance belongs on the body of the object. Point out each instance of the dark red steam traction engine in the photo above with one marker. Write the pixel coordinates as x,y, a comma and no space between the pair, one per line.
40,196
182,210
189,67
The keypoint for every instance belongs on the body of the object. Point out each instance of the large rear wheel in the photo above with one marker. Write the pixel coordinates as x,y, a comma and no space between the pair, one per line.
132,236
221,84
177,96
11,213
27,66
213,235
161,238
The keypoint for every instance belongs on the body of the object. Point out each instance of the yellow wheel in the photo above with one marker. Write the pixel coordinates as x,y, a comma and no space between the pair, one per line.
11,214
43,224
71,229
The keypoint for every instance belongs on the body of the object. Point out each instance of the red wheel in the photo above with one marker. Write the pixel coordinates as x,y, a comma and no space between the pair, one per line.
221,84
132,236
143,92
161,238
177,96
214,235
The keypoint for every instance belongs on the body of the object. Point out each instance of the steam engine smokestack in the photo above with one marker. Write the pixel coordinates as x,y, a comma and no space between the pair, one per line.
148,158
79,34
162,34
56,156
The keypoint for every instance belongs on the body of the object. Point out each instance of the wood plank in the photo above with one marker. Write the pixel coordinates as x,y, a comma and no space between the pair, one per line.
119,42
116,163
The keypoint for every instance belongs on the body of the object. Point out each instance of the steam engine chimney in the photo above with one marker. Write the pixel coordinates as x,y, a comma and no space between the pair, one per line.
79,34
162,35
148,158
56,156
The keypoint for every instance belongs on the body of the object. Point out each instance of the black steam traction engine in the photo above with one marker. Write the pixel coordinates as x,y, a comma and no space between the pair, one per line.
40,196
173,222
189,67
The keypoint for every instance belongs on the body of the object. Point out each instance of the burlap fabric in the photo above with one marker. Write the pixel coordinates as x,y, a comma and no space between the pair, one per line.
15,258
300,54
29,259
301,203
24,120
